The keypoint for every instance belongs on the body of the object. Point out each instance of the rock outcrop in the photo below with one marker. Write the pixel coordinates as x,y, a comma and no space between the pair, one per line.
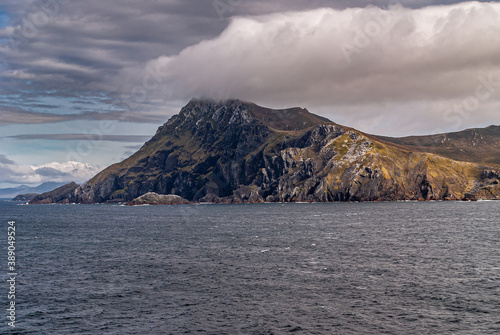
237,152
152,198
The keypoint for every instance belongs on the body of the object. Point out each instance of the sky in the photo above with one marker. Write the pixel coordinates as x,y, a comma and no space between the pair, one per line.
83,84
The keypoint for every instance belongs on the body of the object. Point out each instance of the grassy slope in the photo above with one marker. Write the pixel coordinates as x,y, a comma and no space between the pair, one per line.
398,166
458,176
481,145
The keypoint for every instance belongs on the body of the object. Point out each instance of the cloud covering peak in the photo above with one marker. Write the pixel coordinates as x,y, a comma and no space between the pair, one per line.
394,62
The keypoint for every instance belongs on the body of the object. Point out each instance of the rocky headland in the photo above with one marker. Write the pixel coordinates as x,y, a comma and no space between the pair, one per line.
239,152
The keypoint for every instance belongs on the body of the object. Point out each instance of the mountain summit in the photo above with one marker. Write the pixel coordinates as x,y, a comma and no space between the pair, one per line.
237,152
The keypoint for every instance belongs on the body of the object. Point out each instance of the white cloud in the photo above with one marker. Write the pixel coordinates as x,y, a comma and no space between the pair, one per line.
12,173
359,63
54,65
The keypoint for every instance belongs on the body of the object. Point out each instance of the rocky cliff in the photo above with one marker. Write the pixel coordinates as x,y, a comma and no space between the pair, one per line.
237,152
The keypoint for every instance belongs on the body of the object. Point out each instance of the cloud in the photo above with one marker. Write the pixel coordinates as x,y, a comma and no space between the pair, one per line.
52,173
97,49
14,115
133,147
80,137
358,62
13,173
5,160
79,46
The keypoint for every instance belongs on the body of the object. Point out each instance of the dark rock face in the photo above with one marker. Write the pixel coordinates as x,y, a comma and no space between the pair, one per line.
62,195
152,198
237,152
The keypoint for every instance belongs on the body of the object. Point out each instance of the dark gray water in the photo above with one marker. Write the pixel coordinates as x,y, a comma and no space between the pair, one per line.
358,268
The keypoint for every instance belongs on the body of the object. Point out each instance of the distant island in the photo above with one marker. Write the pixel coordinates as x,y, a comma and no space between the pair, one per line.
238,152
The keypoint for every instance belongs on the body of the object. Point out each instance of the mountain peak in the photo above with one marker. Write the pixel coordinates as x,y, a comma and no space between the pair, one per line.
235,111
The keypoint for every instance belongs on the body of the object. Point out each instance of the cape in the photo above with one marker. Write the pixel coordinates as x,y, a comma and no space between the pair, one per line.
238,152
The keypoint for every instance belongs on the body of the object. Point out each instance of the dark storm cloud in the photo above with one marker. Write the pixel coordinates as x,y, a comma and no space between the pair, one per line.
81,137
81,47
13,115
100,48
82,44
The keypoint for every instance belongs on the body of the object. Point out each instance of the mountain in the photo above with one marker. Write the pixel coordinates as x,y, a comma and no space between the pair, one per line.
12,192
479,145
234,152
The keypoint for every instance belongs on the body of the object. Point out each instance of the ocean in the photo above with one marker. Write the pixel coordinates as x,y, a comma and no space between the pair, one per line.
339,268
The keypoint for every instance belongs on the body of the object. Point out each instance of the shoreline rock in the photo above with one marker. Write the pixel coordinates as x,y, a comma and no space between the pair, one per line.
152,198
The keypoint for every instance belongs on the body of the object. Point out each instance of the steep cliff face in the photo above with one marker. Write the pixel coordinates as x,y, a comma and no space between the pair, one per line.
237,152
